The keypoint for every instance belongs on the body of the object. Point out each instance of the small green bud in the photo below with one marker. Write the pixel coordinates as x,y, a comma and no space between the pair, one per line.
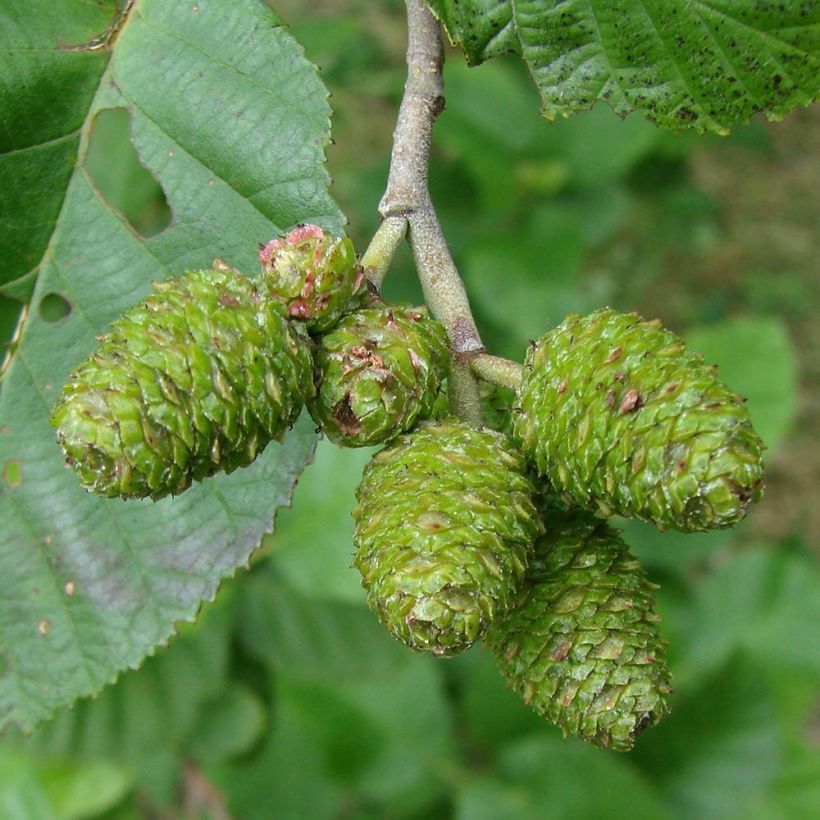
314,274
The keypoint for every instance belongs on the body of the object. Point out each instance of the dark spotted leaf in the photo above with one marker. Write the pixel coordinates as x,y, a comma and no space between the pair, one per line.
702,63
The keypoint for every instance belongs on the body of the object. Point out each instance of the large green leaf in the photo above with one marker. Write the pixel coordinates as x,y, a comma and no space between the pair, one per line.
157,707
702,63
45,93
232,121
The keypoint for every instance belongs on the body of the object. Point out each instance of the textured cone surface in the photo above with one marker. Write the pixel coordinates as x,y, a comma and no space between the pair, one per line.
496,406
197,379
617,412
314,274
582,646
377,373
443,529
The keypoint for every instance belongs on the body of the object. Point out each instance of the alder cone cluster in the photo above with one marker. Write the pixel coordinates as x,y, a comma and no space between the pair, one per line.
462,533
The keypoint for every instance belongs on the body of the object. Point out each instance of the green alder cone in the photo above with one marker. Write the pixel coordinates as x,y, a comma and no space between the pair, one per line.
443,529
582,646
195,380
314,274
617,413
377,373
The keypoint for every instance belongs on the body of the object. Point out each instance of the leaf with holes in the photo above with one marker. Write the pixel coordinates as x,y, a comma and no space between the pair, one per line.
703,63
89,586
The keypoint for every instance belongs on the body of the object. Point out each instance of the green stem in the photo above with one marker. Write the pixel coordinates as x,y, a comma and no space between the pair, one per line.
465,400
382,248
496,370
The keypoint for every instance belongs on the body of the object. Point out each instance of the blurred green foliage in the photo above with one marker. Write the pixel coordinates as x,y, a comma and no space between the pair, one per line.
287,699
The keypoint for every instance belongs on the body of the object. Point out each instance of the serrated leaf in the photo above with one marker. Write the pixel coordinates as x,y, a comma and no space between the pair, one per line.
232,121
159,707
706,64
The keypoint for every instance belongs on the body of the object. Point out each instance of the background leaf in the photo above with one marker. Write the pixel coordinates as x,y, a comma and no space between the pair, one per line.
58,790
539,772
707,64
319,565
88,586
310,638
765,603
719,750
342,693
756,359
